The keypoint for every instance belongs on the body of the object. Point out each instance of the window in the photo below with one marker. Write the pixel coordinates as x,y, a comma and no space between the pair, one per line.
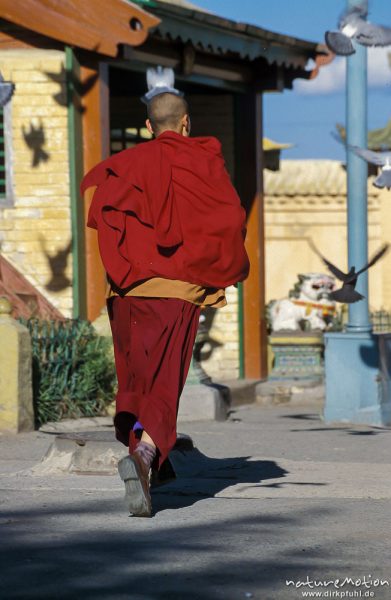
127,137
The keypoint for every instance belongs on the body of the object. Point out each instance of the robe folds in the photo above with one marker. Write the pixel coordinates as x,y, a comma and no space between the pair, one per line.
167,208
153,343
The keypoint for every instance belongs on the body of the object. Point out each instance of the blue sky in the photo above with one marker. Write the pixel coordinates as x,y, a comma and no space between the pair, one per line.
307,115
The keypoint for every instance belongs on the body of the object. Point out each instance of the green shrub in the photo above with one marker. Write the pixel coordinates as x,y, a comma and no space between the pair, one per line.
73,371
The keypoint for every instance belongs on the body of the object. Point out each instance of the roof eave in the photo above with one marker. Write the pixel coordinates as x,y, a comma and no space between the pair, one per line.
220,36
92,25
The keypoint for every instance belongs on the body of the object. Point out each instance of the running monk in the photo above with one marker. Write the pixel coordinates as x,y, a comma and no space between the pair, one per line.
171,237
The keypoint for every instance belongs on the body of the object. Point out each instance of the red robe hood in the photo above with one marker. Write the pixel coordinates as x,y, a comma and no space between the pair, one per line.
167,208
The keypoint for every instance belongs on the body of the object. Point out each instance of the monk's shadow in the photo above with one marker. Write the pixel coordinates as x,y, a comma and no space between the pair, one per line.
199,477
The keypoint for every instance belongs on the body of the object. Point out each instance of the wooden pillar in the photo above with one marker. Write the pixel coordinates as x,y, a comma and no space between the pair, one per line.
248,180
96,147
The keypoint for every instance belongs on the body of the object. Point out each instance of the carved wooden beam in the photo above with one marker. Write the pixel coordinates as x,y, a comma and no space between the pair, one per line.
95,25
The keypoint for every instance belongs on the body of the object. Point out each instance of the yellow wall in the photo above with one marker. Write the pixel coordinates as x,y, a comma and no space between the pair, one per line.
307,199
38,226
223,362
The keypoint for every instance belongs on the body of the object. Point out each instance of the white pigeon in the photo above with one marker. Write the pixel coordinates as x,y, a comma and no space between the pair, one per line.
352,25
381,159
160,81
6,90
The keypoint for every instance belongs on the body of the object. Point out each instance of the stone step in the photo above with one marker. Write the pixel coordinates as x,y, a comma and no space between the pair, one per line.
90,453
242,391
291,391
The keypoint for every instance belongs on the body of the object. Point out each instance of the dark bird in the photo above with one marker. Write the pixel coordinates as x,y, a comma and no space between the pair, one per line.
347,292
7,89
352,25
35,139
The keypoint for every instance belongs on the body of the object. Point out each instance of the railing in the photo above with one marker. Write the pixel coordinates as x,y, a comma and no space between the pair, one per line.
25,299
381,321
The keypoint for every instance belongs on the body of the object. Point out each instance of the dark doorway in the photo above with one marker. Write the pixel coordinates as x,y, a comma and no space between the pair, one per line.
211,110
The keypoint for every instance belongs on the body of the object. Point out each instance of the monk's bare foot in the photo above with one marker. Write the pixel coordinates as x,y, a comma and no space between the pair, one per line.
145,437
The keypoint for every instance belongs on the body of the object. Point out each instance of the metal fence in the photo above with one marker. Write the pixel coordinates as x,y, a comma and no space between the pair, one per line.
381,321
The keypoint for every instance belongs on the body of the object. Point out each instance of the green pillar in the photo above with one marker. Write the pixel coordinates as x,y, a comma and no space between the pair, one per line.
75,153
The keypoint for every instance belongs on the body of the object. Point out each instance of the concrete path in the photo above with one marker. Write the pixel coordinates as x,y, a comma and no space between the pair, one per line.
268,496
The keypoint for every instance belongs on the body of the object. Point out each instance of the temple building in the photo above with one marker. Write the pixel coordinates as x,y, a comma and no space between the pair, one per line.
79,70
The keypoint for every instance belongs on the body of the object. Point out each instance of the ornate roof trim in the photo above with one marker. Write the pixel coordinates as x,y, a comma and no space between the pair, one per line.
95,25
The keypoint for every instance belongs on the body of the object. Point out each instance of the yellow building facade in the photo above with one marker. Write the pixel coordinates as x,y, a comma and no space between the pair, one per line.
306,199
35,220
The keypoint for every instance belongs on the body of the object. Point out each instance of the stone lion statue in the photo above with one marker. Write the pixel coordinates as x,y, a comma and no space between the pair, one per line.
309,305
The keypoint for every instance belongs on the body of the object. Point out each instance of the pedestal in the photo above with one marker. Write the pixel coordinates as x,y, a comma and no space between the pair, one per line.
297,355
358,386
16,390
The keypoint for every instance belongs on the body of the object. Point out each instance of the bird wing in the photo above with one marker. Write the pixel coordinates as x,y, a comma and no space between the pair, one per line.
373,35
335,271
352,14
376,158
383,180
6,91
374,258
339,43
338,136
160,77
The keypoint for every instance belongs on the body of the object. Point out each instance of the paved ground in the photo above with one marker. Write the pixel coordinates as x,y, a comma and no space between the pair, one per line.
270,495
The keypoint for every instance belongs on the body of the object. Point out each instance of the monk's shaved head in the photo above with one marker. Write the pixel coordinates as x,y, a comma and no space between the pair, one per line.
166,112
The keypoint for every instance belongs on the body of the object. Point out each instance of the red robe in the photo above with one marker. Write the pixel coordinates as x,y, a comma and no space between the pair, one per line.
153,343
167,208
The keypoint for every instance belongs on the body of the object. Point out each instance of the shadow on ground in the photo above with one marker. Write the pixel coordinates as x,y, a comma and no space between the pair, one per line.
199,476
205,561
346,428
78,543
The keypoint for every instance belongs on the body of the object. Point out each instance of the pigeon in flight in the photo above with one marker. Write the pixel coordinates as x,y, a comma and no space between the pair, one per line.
160,80
352,25
381,159
347,292
6,90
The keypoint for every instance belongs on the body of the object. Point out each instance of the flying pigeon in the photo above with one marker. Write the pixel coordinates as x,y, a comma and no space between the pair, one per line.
352,25
381,159
6,90
160,80
347,292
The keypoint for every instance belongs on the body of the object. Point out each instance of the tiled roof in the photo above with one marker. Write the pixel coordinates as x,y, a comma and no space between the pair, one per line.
184,22
309,178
